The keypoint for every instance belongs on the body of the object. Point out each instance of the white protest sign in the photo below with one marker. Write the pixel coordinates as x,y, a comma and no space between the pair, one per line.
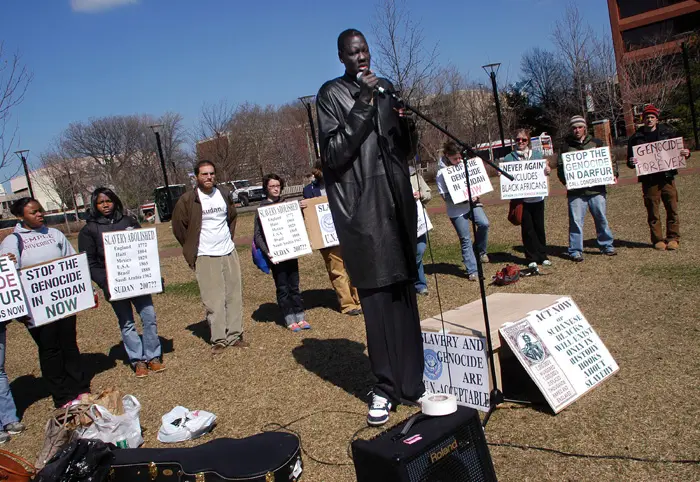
325,223
284,230
58,288
461,359
424,224
12,303
529,179
132,262
592,167
659,156
455,179
560,351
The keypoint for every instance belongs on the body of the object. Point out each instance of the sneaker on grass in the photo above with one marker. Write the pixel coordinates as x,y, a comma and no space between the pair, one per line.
546,262
15,427
4,437
532,265
378,413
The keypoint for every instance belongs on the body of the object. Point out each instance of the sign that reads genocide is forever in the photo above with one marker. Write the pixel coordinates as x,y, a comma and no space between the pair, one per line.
285,232
529,179
659,156
326,225
592,167
133,264
455,179
560,351
461,359
58,288
12,304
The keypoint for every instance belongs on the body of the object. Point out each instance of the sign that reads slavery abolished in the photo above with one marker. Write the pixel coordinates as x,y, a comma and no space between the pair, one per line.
58,288
659,156
461,359
285,232
529,179
560,351
133,263
592,167
12,304
326,225
455,179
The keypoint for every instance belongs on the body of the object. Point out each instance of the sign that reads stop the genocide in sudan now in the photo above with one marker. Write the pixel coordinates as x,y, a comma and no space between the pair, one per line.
12,304
659,156
456,180
592,167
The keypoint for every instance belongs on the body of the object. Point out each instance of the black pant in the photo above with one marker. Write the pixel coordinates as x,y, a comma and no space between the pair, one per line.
59,358
532,230
394,340
286,276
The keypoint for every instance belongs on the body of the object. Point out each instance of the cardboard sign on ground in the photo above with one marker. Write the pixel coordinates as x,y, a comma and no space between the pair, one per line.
319,223
132,262
12,303
659,156
592,167
284,230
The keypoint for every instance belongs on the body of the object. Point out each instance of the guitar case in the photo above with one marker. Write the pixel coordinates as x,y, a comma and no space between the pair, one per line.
265,457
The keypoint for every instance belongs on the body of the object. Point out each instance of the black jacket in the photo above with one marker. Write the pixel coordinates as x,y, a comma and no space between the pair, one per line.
665,132
364,152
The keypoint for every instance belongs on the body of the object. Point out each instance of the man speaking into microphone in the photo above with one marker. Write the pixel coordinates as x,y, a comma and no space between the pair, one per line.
366,140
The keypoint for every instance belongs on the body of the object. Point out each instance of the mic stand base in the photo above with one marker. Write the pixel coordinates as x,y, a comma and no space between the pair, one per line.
496,398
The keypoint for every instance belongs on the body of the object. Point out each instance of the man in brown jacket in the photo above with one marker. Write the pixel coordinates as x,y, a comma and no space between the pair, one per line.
204,223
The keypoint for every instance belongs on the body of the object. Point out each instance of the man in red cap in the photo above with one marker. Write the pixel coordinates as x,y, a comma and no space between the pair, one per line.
658,186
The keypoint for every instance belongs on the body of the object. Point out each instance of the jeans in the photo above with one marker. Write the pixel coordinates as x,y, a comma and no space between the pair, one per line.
578,206
289,300
421,283
462,226
136,349
8,410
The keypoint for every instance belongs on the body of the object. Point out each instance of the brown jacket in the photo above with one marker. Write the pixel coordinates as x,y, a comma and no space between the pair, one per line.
187,221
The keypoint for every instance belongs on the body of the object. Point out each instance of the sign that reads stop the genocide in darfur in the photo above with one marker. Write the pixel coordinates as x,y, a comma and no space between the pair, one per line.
461,359
529,179
659,156
133,263
592,167
560,351
456,180
12,304
58,288
285,232
424,224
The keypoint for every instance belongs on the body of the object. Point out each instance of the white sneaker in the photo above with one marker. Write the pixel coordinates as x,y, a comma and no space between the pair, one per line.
532,265
546,262
378,413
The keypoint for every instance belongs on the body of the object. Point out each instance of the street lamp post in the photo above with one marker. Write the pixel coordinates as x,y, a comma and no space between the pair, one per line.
492,70
21,155
307,100
169,197
691,98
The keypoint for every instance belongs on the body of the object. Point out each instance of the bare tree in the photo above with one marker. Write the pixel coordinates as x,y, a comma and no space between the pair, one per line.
212,136
14,80
173,139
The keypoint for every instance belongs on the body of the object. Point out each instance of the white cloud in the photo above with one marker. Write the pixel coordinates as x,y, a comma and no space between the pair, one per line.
89,6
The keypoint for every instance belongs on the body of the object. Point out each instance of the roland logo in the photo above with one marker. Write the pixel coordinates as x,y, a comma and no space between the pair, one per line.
439,454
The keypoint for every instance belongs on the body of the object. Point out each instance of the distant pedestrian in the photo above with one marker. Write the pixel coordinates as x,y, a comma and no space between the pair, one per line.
421,191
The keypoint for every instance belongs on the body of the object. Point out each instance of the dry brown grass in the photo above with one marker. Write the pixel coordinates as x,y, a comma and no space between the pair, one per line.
642,303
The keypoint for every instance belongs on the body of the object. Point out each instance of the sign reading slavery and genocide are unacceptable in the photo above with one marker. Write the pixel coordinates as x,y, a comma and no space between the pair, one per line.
58,288
460,359
659,156
529,179
12,303
132,262
285,232
560,351
592,167
455,179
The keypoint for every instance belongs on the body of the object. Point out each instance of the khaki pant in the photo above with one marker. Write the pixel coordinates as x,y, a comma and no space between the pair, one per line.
655,192
219,279
344,290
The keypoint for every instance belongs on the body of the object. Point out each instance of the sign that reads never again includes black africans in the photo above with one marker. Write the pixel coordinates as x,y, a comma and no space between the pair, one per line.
592,167
12,303
133,263
285,231
529,179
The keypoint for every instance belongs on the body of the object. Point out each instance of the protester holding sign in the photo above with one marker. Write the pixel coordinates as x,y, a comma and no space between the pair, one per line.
583,199
285,273
421,192
106,214
459,215
657,186
33,243
532,225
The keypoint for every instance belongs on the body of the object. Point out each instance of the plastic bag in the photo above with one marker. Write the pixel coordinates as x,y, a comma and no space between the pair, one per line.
179,424
124,431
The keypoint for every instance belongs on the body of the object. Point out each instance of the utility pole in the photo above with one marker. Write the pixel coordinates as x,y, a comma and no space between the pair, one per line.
169,196
21,155
492,70
307,100
691,98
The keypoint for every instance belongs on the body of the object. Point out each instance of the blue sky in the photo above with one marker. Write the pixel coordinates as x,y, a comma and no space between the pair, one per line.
94,58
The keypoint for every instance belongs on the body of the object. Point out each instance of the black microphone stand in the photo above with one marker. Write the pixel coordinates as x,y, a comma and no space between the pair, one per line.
496,395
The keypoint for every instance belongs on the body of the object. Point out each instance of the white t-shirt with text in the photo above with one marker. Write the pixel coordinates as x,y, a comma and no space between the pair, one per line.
215,236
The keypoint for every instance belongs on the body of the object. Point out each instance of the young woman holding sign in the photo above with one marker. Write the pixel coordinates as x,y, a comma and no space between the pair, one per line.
106,214
32,242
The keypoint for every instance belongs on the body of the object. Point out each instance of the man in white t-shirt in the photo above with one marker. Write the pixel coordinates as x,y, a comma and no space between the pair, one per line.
204,223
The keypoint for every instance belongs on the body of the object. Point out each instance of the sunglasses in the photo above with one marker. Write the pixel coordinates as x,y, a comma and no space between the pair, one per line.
520,140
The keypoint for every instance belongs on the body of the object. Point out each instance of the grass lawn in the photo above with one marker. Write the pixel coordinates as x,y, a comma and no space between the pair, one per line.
643,304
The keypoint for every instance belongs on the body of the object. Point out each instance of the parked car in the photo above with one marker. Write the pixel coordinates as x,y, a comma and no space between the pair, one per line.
244,192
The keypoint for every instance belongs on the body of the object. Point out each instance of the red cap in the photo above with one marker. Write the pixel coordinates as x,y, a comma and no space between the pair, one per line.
650,109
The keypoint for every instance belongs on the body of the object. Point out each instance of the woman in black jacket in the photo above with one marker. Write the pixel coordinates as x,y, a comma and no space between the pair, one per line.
107,214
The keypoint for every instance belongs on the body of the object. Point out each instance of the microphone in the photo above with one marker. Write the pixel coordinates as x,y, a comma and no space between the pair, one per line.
378,88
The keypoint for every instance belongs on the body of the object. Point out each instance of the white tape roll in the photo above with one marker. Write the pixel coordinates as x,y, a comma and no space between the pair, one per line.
439,404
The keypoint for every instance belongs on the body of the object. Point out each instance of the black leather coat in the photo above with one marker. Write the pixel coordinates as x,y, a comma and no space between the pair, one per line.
364,152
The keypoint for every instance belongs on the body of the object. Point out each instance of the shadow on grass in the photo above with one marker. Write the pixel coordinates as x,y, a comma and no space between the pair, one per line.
201,330
270,312
267,313
444,268
118,353
339,361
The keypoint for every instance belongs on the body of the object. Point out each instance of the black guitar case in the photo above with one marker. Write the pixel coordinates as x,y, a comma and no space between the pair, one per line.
265,457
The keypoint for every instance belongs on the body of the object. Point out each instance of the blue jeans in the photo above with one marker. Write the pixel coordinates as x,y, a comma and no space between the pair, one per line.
8,410
136,349
578,206
421,284
462,226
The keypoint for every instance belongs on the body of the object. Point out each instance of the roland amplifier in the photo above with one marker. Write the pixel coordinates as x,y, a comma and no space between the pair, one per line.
451,448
